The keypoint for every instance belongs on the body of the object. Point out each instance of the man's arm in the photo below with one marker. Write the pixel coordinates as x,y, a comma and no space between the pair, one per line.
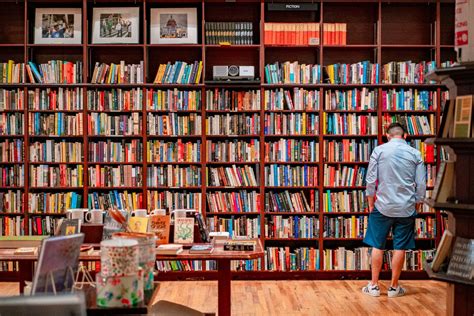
420,181
371,178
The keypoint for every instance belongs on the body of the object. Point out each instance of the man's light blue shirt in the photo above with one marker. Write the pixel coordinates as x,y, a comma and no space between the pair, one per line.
397,173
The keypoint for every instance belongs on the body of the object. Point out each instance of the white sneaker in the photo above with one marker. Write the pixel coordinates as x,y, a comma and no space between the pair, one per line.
396,291
372,290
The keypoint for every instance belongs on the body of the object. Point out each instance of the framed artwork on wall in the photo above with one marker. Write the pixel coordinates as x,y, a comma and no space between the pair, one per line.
115,25
58,26
173,26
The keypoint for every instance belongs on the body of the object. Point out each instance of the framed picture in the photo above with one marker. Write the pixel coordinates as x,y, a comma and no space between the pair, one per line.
173,26
115,25
58,26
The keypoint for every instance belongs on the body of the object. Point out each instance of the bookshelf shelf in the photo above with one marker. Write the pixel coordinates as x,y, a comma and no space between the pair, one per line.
55,111
11,214
420,112
346,162
375,32
352,111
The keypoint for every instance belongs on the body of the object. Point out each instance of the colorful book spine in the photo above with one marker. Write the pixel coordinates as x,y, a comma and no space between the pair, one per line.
409,100
407,72
335,33
235,33
115,152
236,225
363,72
56,151
11,201
179,151
345,227
231,100
61,99
293,72
233,151
12,176
292,227
173,100
179,73
11,124
118,73
174,176
291,124
235,176
287,259
174,124
299,99
12,100
350,124
351,100
11,150
292,150
11,72
349,150
115,100
12,226
120,176
233,124
57,124
414,124
174,200
42,176
292,202
103,124
55,71
291,34
345,201
291,176
233,202
180,265
344,176
54,202
115,199
42,225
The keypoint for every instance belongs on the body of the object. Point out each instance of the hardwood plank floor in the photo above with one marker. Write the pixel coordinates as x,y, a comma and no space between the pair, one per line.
301,298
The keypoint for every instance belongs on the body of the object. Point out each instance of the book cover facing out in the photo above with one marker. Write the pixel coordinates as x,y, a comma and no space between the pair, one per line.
463,115
184,230
462,259
138,224
160,226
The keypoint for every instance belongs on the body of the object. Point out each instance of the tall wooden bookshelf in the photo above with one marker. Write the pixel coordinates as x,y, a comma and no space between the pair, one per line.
378,31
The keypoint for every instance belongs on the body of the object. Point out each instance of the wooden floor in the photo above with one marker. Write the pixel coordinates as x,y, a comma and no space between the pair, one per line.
302,298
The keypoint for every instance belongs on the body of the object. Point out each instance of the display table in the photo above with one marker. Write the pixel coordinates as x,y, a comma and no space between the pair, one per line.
222,257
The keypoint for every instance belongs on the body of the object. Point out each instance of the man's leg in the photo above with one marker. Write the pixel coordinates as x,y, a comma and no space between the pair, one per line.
397,264
377,260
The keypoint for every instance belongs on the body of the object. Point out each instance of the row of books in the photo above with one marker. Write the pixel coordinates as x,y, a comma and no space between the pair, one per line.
55,71
234,176
11,72
335,176
9,266
114,125
54,202
233,151
291,33
344,201
363,72
286,259
174,176
237,202
348,150
291,124
301,99
173,100
430,175
173,200
350,124
12,99
235,33
11,150
233,124
56,176
349,100
121,200
359,259
235,226
116,151
414,124
12,226
345,227
12,176
52,150
411,100
231,100
118,73
115,100
291,150
428,151
61,99
291,202
44,225
55,124
11,201
174,124
179,151
425,227
334,33
288,175
407,71
11,123
292,227
180,72
120,176
293,72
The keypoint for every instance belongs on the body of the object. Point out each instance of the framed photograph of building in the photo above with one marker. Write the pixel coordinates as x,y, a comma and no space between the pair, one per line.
115,25
173,26
58,26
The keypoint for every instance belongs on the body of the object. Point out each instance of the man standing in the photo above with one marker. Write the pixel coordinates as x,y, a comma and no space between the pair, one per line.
398,171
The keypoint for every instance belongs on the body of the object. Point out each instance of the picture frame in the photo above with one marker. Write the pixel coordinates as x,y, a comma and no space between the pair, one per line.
173,26
117,25
58,26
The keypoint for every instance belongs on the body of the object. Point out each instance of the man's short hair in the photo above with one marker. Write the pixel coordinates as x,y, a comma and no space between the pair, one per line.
396,129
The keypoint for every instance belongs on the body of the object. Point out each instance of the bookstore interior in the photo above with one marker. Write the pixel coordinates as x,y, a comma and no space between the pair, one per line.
150,148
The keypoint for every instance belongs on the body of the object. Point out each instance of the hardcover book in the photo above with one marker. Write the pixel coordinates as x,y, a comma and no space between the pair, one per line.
138,224
160,226
462,259
68,226
201,248
183,230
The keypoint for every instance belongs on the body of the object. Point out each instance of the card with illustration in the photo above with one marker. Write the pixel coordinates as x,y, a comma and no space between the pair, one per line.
183,230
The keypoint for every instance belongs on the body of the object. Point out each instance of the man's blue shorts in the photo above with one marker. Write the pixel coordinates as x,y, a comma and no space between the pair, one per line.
403,231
